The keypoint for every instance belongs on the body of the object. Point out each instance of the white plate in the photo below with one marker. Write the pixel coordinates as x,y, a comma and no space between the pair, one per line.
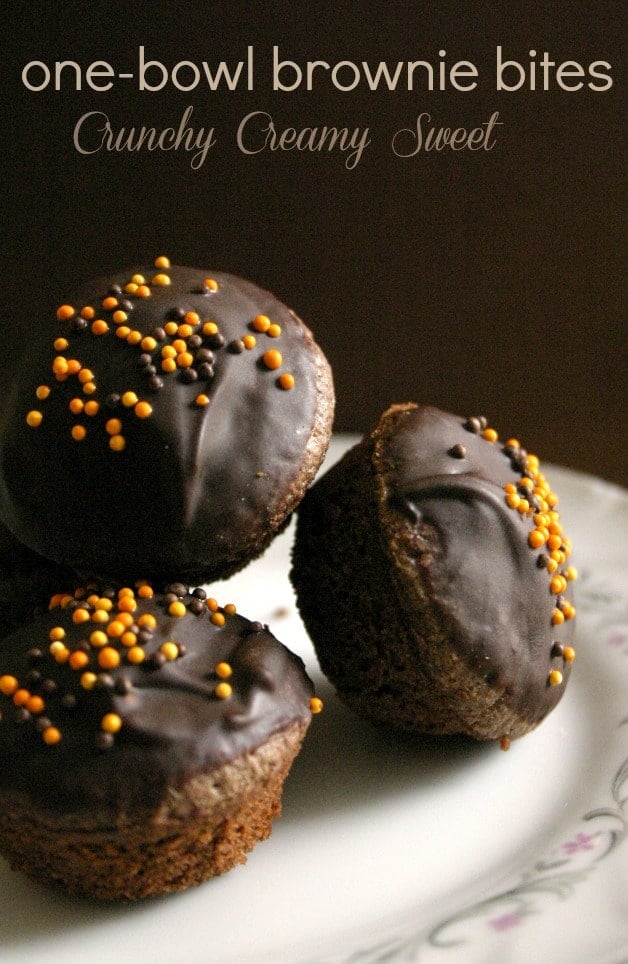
438,852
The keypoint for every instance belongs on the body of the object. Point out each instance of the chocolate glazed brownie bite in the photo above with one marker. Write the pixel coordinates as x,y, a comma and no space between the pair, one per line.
170,428
144,740
432,574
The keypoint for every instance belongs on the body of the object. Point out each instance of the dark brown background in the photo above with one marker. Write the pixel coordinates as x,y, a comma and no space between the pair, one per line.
484,283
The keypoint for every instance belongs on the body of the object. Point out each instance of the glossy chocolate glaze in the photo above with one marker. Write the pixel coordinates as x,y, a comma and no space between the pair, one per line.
173,723
483,575
196,487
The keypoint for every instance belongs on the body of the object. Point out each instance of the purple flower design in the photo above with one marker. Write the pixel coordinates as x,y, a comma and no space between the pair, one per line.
581,842
505,921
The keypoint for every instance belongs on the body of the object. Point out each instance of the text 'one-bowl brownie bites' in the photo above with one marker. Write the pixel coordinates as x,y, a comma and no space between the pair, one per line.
144,739
432,573
168,430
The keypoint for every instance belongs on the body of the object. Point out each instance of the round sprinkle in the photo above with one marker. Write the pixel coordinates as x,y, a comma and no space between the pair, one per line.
223,690
143,409
273,330
80,616
261,323
230,609
129,399
78,659
88,681
51,735
136,655
162,261
218,619
161,280
60,344
34,418
272,359
117,443
8,685
113,426
286,381
64,312
490,435
78,433
191,318
119,316
249,341
316,704
35,704
201,400
100,327
211,284
177,608
210,328
569,654
555,677
142,291
170,650
108,658
42,392
223,670
145,591
111,723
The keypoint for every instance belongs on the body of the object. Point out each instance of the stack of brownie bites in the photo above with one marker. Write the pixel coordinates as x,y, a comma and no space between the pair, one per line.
156,442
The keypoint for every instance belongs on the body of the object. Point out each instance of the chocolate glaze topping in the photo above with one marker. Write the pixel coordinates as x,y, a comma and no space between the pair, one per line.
161,431
121,723
447,475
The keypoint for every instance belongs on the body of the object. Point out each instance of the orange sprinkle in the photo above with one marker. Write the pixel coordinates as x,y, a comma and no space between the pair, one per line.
127,604
136,655
56,633
108,658
212,604
8,685
286,381
211,283
316,704
162,261
273,330
143,410
148,343
20,697
88,312
569,654
51,735
223,690
88,681
218,619
42,392
513,500
89,388
142,291
35,704
557,618
147,619
91,408
60,344
177,608
185,359
272,358
128,639
555,677
536,539
210,328
86,375
138,279
490,435
129,399
169,365
223,670
113,426
161,280
202,400
65,312
170,650
34,418
78,433
115,628
78,659
117,443
171,328
145,591
261,323
80,615
109,303
98,638
190,318
111,723
249,341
